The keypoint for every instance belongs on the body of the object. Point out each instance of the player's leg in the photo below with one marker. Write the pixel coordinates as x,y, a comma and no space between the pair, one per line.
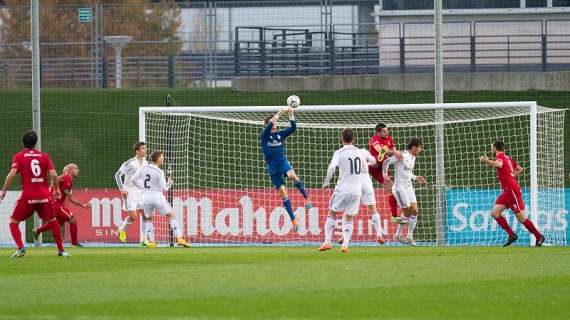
45,212
73,231
497,214
329,229
518,209
392,202
133,205
164,208
412,221
404,203
288,206
300,186
147,232
22,211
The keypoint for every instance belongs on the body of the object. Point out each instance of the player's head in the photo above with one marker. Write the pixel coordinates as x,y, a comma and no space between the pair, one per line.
381,130
30,139
415,146
498,146
140,149
347,136
266,121
71,169
157,157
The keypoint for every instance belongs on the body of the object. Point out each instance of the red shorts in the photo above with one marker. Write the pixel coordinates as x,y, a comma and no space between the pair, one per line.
512,199
24,208
376,173
62,214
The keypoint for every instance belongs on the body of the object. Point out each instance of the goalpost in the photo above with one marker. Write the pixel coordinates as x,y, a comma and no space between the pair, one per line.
222,194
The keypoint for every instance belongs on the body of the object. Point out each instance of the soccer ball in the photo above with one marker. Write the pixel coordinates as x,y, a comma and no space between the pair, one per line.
293,101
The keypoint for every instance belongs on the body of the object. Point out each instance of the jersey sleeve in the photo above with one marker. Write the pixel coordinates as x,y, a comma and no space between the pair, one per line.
331,169
387,164
163,185
119,175
370,160
267,130
16,163
288,131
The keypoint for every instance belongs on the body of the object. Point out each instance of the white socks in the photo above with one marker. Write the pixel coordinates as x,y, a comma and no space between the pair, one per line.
329,228
143,230
150,230
412,220
125,224
399,230
347,228
175,228
376,224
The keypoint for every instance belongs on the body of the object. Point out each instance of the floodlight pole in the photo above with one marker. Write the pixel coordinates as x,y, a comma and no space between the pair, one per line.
36,83
439,130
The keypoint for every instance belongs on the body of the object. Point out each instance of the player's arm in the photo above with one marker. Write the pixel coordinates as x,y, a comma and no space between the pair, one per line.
492,163
292,127
54,183
165,185
517,170
8,182
73,200
394,152
330,170
119,179
386,166
370,160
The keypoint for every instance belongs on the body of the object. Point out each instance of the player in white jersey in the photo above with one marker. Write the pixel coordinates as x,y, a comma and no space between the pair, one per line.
348,191
369,200
131,194
403,188
151,179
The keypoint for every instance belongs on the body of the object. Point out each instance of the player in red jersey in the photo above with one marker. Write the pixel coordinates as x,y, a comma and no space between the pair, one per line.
381,147
507,171
62,213
33,167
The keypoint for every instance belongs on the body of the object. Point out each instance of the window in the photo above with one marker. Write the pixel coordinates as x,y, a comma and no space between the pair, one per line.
536,3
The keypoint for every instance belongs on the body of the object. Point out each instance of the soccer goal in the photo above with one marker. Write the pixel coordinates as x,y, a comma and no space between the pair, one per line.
223,195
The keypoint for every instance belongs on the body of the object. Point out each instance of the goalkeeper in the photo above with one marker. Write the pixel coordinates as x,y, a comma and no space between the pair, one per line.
278,167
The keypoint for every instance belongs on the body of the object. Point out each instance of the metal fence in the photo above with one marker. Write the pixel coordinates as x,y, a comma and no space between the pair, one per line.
204,42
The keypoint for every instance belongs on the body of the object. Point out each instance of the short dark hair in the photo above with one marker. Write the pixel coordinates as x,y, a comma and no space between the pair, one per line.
266,120
347,135
414,142
30,139
138,145
499,145
379,127
155,155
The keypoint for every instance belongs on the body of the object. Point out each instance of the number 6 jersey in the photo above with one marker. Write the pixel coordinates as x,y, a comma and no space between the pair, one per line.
33,167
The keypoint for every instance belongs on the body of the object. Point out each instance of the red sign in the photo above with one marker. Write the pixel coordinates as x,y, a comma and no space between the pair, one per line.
225,216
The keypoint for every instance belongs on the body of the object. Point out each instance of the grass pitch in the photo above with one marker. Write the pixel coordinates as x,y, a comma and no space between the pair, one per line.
287,283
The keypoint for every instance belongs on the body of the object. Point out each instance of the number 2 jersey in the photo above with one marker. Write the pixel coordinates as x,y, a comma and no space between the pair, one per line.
151,179
351,162
33,167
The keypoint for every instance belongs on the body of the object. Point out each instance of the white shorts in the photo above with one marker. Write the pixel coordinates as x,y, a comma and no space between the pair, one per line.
404,196
134,200
155,200
368,197
347,203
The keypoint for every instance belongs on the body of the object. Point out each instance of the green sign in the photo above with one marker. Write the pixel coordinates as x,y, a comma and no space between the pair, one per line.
84,14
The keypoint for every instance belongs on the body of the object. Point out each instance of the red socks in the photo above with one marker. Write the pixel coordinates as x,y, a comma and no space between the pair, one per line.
17,235
505,225
43,228
56,234
393,205
532,229
73,232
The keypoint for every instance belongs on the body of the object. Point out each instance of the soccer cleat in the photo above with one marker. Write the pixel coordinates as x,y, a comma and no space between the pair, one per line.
296,224
325,247
181,242
152,245
540,241
344,249
19,253
145,243
380,240
77,244
510,240
309,205
122,236
412,242
399,220
400,239
35,234
340,240
63,254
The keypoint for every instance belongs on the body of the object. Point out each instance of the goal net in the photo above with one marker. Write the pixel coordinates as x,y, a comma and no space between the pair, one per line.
223,195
